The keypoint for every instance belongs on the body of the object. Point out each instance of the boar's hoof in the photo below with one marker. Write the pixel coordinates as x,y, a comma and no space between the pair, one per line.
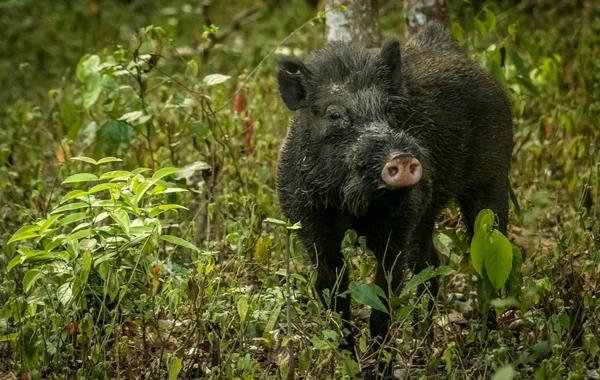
401,171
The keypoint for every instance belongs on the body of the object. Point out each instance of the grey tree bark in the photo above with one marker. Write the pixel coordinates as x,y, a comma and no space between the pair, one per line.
418,12
359,23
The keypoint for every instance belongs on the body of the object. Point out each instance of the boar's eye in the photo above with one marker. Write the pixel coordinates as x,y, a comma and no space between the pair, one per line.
334,113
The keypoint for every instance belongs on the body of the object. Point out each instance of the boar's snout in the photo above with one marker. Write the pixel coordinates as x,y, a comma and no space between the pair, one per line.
401,171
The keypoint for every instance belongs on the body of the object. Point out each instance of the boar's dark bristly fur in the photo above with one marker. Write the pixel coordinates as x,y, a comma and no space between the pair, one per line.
356,110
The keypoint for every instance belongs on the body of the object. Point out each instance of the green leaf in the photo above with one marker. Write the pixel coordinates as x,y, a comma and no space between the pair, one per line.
174,366
242,308
85,159
18,259
199,128
29,278
443,270
49,222
276,221
516,60
93,87
162,208
214,79
70,206
191,69
498,259
457,31
164,172
106,160
483,226
100,187
120,216
418,279
72,194
80,234
86,65
22,236
480,27
115,174
505,373
80,177
135,117
179,241
110,135
72,218
368,294
490,19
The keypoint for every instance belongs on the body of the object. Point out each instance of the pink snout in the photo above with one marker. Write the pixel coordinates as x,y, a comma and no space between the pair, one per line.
402,171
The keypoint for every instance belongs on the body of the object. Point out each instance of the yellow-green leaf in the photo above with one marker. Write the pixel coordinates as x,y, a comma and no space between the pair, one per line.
80,177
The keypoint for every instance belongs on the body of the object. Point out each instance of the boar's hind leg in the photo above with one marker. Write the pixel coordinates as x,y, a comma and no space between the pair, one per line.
494,197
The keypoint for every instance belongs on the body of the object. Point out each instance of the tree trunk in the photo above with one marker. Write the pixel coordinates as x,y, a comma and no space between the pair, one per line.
360,22
418,12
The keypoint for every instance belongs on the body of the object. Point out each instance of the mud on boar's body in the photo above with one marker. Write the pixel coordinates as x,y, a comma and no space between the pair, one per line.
381,141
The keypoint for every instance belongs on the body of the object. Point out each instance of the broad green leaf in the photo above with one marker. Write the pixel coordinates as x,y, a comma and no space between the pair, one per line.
73,194
162,208
213,79
418,279
120,216
274,316
135,117
140,189
85,159
86,65
80,234
174,366
72,218
29,278
480,27
505,373
457,31
92,89
80,177
484,223
50,244
242,308
368,294
86,265
443,270
516,60
191,69
199,128
49,222
18,259
65,293
179,241
276,221
498,259
100,187
22,236
106,160
164,172
115,174
110,136
70,206
490,20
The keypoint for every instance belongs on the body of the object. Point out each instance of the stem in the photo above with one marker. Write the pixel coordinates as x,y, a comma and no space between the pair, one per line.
287,281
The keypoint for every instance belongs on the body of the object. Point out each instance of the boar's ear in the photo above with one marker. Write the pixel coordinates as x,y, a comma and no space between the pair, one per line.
390,52
291,77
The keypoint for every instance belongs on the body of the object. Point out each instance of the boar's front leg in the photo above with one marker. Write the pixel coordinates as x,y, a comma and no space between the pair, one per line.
322,234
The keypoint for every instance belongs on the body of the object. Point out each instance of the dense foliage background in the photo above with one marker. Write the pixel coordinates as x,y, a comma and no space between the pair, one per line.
108,270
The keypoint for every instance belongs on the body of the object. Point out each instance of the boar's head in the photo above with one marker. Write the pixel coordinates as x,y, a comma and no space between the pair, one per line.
351,132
